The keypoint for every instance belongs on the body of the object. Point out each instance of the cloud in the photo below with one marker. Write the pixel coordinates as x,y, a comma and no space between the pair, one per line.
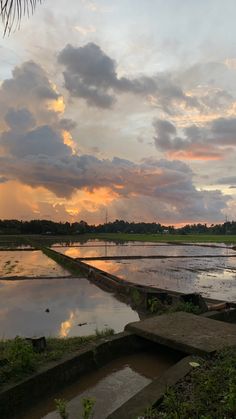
228,180
211,142
3,179
85,30
92,75
19,120
168,183
42,141
35,153
31,79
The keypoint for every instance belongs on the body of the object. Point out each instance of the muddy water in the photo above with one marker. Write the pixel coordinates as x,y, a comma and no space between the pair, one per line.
29,263
111,386
142,250
212,277
71,302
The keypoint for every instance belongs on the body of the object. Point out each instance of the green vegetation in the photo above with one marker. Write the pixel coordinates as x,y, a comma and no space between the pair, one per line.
61,406
165,238
136,296
120,230
104,333
87,403
18,358
37,240
157,307
208,392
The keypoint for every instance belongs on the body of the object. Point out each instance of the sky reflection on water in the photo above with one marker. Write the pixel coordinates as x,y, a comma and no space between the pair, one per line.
71,301
212,277
29,263
147,250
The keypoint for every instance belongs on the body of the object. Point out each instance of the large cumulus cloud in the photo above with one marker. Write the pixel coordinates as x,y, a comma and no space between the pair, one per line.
92,75
33,152
167,184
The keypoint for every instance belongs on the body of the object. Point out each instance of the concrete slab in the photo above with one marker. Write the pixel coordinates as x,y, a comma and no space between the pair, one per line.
186,332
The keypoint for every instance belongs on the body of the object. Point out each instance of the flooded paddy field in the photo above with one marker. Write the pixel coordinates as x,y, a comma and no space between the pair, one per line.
59,307
50,302
212,277
110,387
28,264
119,250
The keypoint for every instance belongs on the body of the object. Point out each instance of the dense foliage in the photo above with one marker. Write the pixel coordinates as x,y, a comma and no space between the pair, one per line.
48,227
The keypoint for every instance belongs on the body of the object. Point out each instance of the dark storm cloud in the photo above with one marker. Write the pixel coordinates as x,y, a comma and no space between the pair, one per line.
33,128
31,79
67,124
19,120
92,75
224,131
39,141
209,142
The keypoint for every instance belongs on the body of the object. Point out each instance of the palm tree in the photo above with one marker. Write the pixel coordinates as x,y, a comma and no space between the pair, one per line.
11,12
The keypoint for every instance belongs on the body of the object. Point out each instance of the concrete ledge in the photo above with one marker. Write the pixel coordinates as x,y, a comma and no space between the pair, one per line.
186,332
15,399
153,393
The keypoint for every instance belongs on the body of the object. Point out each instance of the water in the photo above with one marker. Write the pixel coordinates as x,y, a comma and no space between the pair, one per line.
106,250
28,264
110,386
71,301
212,277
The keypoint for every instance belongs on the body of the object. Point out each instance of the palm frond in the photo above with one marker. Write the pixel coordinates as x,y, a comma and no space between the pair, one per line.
11,12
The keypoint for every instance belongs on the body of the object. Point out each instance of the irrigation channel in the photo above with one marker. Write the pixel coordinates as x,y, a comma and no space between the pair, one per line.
42,295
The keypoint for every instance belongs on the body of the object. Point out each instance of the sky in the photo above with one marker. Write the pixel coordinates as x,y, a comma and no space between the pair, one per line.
126,108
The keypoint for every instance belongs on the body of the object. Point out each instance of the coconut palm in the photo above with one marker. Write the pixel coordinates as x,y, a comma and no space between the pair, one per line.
12,11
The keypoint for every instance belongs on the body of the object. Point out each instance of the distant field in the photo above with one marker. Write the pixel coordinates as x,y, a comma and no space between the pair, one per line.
177,238
190,238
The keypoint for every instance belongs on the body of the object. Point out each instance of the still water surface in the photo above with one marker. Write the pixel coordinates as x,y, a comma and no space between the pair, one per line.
142,250
28,263
212,277
110,386
71,301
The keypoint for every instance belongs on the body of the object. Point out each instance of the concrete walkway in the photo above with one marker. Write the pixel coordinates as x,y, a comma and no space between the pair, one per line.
186,332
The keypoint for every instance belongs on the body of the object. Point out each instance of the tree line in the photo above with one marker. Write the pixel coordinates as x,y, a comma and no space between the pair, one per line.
48,227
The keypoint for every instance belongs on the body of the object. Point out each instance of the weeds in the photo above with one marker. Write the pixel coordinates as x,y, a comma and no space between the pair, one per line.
87,403
104,333
157,307
208,392
61,406
18,359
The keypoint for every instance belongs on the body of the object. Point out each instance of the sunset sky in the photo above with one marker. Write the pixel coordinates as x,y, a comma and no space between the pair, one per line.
126,106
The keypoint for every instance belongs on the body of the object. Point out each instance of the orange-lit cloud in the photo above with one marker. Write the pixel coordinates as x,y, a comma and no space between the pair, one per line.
202,153
68,140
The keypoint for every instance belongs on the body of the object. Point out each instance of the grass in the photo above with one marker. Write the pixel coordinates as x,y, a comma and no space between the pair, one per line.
18,358
208,392
164,238
155,238
155,306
